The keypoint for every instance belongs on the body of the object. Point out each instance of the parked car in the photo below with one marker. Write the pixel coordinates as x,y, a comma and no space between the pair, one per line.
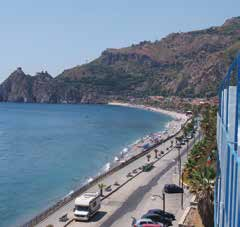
162,213
158,219
178,145
173,188
182,142
145,221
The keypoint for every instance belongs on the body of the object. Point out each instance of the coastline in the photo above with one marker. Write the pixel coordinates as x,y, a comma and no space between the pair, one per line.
173,114
132,150
126,156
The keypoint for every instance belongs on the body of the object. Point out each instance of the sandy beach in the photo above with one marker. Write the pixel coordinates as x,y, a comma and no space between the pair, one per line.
172,127
175,115
142,144
138,148
112,209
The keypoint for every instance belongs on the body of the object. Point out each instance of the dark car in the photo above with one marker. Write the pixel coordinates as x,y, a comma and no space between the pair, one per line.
158,218
173,188
162,213
182,142
178,145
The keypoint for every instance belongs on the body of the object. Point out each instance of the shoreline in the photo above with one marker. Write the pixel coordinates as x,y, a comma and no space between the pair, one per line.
125,157
130,151
173,114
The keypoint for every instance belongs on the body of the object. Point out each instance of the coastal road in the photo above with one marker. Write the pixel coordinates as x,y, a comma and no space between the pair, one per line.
135,198
139,201
109,204
130,196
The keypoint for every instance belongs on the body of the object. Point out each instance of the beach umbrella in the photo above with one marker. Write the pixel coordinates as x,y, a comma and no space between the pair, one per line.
125,150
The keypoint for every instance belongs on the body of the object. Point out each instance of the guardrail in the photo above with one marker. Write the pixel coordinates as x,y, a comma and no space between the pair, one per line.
43,215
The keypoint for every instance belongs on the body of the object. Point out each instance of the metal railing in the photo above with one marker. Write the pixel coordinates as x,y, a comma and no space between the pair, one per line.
227,206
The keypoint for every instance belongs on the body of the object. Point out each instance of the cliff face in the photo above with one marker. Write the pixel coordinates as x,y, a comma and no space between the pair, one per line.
184,64
41,88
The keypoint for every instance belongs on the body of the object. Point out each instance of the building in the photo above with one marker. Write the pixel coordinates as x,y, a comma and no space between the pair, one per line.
227,187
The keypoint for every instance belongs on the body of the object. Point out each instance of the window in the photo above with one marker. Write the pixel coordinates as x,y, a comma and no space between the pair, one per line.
81,208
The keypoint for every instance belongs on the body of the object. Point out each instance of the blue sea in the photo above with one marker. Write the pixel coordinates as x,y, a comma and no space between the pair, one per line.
48,150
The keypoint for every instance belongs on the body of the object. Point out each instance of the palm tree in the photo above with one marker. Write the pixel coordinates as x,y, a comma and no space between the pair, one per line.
148,157
190,165
101,186
202,184
156,153
199,174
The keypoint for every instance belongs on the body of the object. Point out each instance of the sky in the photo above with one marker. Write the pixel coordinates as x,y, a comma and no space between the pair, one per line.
54,35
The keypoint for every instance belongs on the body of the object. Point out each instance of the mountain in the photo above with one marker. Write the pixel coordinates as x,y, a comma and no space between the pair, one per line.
190,64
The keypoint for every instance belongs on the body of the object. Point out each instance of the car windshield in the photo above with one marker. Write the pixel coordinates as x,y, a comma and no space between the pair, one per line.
81,208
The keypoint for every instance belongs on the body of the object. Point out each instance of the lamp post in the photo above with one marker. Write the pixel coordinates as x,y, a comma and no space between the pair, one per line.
179,166
153,197
182,194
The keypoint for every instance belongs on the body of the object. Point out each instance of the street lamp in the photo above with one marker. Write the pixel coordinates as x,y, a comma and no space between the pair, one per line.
182,193
153,197
179,166
180,176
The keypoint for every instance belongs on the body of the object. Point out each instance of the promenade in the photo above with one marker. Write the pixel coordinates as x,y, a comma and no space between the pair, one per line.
134,197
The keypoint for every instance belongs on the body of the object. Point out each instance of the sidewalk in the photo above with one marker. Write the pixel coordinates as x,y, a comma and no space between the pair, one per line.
142,202
134,198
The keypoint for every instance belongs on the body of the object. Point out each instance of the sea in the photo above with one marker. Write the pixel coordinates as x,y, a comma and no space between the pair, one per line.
48,150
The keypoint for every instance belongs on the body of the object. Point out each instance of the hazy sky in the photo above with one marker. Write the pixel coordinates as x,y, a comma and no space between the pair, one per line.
54,35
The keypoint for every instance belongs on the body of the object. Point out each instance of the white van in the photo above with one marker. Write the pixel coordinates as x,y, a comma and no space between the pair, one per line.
86,206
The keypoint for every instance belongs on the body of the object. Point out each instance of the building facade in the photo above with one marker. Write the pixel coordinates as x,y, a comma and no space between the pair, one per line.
227,187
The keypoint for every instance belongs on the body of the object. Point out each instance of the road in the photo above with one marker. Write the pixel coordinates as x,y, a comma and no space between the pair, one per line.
132,198
135,198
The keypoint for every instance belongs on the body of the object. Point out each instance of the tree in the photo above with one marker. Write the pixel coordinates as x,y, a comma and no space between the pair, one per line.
156,153
148,157
202,184
199,172
101,186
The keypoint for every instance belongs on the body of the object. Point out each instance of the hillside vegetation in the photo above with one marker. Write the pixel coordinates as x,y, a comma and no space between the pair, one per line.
190,64
200,169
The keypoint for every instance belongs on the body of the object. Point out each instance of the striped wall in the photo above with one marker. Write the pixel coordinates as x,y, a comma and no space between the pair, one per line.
227,187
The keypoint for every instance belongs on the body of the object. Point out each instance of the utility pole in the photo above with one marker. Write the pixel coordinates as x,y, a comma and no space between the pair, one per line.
182,193
179,166
163,199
